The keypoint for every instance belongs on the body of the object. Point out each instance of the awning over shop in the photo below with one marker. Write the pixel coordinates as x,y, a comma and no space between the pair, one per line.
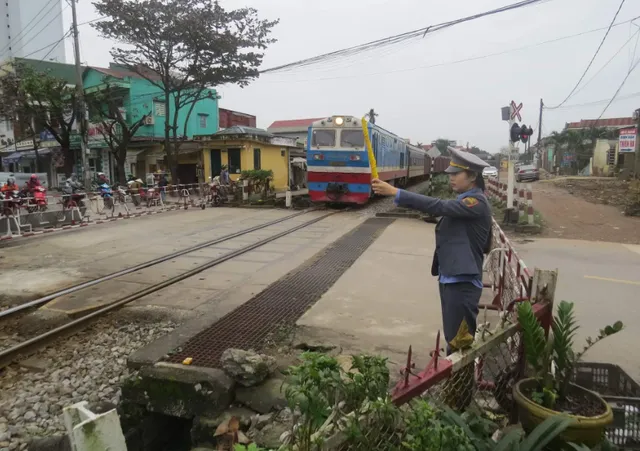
27,154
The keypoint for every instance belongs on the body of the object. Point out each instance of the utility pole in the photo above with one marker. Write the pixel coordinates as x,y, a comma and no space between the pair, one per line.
538,150
636,164
81,117
35,143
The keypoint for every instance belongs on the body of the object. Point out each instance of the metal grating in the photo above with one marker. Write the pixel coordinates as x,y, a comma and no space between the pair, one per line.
282,302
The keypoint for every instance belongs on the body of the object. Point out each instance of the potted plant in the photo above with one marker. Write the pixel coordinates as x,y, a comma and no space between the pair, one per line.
550,391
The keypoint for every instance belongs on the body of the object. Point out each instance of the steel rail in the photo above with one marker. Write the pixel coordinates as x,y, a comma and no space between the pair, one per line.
34,344
43,300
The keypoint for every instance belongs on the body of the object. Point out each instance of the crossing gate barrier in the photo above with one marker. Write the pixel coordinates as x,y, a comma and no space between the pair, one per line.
19,222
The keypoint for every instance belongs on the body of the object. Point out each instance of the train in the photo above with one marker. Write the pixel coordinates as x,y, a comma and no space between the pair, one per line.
338,166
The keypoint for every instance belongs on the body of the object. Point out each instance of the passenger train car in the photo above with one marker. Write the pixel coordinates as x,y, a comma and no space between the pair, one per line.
338,167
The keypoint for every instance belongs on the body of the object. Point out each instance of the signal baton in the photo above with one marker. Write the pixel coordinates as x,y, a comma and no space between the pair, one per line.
372,157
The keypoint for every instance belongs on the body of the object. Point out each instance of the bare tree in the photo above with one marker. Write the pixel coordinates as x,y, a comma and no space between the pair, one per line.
185,48
34,100
116,128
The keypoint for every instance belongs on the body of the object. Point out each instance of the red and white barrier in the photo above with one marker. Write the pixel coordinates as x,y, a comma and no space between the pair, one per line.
522,198
18,227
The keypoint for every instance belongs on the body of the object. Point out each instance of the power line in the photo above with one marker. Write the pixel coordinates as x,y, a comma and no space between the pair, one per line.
637,33
619,88
26,26
54,46
43,28
597,102
92,21
464,60
395,39
26,30
47,46
592,58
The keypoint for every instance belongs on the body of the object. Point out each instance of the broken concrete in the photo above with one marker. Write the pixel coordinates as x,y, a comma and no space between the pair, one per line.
248,368
264,398
179,391
271,433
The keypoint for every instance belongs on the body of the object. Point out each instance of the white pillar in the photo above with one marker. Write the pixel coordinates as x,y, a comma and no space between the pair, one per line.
88,431
288,198
510,183
245,193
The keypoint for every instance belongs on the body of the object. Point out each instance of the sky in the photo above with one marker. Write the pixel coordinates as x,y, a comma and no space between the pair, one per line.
421,89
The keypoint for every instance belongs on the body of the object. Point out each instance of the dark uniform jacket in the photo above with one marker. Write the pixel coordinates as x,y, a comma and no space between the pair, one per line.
463,233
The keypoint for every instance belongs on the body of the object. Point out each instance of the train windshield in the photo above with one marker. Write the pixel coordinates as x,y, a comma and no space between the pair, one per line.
352,138
324,138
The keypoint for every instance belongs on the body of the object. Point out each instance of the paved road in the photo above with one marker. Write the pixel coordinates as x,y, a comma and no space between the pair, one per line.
603,279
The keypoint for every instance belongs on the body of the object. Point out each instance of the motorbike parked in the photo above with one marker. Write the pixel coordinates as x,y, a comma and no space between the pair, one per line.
75,199
106,193
11,201
153,195
37,200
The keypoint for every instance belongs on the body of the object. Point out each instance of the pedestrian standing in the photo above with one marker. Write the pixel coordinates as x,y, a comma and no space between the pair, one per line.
463,236
162,184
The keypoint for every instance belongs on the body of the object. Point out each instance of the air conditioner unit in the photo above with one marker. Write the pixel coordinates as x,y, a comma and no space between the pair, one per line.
149,120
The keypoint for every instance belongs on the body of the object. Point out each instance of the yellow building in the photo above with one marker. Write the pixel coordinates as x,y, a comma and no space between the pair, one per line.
246,148
605,157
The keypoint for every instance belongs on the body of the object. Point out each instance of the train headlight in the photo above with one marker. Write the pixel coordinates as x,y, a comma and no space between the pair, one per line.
339,120
355,157
318,156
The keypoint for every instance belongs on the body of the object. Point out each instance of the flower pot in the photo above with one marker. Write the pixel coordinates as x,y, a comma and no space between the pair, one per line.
586,430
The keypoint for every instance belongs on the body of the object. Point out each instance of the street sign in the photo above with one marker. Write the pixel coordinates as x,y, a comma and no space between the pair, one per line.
627,140
515,110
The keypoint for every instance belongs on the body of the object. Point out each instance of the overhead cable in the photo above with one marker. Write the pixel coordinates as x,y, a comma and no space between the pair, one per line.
464,60
395,39
604,38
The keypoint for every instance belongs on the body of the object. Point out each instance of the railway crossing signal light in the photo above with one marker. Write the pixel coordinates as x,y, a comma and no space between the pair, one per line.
525,133
515,132
518,133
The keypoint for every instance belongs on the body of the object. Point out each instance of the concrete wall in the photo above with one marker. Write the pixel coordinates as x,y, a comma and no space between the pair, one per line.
599,164
301,136
229,118
270,155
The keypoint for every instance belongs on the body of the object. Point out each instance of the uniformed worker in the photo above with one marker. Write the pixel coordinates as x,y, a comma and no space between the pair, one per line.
463,235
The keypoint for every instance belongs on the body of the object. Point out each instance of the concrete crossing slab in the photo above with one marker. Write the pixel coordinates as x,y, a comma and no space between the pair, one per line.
387,301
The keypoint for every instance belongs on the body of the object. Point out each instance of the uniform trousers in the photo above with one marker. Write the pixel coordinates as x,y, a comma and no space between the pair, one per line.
459,301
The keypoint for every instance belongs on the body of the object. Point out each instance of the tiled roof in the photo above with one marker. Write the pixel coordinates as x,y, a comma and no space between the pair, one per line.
242,130
616,122
122,73
294,123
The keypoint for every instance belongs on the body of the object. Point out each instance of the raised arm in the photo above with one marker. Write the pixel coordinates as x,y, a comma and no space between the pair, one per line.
469,207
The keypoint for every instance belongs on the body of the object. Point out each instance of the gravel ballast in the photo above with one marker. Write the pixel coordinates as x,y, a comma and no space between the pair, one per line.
89,366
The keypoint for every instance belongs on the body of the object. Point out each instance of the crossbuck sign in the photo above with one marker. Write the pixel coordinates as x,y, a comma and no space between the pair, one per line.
515,111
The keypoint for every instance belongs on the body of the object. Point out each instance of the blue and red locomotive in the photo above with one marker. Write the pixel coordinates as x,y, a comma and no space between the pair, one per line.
338,167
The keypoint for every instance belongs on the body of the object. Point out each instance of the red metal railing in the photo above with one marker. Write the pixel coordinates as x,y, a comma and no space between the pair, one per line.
511,284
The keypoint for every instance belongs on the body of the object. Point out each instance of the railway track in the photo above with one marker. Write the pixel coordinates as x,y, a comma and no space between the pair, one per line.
31,345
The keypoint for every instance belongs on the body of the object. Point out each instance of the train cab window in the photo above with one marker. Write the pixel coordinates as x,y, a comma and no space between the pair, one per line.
324,138
352,138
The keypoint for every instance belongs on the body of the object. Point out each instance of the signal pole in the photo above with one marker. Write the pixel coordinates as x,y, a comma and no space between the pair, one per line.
81,116
636,163
539,144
